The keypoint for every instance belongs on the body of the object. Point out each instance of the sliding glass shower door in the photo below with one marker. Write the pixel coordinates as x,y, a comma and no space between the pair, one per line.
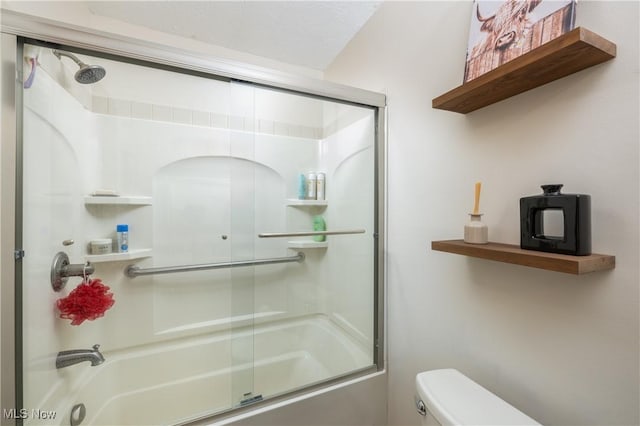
249,270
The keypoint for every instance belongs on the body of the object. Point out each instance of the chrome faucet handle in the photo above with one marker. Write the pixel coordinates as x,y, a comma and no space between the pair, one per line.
61,270
96,347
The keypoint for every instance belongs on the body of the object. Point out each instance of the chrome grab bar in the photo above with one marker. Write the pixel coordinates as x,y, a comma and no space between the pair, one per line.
132,271
309,233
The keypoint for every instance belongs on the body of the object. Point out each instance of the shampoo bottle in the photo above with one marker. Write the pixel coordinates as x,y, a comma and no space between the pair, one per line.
320,180
311,186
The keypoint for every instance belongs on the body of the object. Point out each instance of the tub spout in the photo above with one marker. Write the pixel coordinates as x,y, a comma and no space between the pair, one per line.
75,356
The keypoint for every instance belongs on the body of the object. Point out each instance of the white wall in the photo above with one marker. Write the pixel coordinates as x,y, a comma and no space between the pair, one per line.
562,348
76,13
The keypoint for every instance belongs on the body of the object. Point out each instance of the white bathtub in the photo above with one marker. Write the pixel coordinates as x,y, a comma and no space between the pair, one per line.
172,382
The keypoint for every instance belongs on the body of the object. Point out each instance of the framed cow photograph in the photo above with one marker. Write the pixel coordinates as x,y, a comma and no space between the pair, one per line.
503,30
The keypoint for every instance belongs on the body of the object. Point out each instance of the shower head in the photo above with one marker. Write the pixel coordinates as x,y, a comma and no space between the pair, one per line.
87,74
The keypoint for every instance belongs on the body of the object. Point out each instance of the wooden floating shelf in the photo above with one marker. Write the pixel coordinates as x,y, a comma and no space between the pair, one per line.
508,253
560,57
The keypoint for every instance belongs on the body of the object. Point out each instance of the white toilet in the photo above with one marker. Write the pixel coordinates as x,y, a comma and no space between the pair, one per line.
447,397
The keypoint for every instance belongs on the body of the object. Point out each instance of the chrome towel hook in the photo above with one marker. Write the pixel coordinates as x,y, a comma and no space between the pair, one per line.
61,270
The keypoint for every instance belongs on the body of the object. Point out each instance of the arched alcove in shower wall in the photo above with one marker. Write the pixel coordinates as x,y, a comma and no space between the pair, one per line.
207,210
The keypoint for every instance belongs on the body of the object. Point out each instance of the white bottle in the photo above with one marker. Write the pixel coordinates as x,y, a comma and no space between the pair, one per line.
320,190
311,186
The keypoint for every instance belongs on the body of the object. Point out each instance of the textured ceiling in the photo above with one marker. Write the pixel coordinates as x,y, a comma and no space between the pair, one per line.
304,33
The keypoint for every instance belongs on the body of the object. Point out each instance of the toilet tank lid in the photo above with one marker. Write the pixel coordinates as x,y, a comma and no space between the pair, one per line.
454,399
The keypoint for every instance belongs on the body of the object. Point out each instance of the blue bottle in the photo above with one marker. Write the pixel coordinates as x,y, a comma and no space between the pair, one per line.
302,187
123,238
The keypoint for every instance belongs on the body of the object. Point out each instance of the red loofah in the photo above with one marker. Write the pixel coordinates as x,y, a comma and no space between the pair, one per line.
88,301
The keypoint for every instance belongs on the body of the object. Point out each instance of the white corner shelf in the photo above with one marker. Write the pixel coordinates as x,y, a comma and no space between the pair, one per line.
113,257
307,244
130,200
299,203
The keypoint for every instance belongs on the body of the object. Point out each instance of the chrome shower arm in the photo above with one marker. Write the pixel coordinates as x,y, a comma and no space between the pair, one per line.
75,59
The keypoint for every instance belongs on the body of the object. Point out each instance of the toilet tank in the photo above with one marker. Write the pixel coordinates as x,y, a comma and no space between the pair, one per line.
451,398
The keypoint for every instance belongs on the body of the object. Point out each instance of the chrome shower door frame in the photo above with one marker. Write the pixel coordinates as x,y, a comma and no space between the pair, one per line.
9,297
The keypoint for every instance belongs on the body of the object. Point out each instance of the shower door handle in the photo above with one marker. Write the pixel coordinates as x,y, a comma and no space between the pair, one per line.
309,233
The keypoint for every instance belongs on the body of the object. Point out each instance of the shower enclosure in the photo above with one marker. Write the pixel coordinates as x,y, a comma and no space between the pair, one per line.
242,283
